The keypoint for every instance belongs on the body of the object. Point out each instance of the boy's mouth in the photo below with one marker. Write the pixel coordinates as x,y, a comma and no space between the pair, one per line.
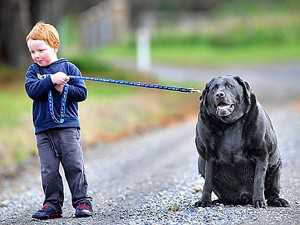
40,62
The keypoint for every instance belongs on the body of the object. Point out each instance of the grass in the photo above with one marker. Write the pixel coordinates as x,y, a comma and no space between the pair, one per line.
212,57
109,120
13,105
208,56
236,32
255,38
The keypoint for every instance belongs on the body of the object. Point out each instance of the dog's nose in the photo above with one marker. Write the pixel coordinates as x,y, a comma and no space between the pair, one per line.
220,94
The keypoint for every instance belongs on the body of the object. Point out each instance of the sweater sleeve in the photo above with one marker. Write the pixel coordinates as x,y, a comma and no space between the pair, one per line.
36,88
77,90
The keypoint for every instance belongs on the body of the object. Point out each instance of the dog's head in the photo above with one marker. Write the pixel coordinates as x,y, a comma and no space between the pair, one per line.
226,98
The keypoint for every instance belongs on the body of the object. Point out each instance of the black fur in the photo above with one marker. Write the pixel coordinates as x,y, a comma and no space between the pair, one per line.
237,146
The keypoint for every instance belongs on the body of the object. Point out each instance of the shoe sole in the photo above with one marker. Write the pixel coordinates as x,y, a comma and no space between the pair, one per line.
83,215
53,216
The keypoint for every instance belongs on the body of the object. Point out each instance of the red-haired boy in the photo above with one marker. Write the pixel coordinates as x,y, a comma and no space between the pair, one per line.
55,117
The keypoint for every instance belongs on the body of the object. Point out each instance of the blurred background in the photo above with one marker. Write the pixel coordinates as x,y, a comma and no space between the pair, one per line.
124,39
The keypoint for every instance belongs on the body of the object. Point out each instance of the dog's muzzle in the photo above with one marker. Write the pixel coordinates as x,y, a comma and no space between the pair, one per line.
224,109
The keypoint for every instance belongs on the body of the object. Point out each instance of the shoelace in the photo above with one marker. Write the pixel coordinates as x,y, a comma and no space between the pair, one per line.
44,208
84,206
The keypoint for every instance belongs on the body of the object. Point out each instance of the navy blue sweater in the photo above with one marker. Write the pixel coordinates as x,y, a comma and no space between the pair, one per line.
37,88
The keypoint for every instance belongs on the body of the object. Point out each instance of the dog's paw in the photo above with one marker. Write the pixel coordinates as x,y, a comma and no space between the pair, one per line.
278,202
259,203
203,204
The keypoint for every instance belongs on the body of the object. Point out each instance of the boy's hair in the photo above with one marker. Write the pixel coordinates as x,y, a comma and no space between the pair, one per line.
45,32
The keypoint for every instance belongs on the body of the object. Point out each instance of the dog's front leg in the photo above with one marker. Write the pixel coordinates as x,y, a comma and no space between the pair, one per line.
208,185
259,183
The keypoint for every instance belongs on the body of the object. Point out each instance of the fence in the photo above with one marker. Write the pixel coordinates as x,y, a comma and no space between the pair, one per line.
104,23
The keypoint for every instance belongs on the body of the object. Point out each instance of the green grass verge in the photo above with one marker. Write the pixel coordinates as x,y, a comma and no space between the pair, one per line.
211,56
262,37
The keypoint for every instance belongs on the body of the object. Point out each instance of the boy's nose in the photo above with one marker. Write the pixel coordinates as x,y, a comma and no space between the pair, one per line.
36,56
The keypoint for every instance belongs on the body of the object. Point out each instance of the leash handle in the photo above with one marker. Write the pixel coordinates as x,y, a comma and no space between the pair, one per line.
138,84
62,112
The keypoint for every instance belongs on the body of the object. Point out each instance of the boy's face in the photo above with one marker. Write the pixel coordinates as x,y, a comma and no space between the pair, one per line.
41,52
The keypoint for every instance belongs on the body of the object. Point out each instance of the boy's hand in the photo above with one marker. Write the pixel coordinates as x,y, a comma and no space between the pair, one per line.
59,78
59,88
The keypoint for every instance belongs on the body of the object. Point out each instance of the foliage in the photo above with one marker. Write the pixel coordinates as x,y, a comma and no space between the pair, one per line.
234,36
88,63
222,40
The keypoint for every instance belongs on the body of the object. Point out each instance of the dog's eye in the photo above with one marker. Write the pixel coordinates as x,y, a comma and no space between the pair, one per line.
229,85
215,87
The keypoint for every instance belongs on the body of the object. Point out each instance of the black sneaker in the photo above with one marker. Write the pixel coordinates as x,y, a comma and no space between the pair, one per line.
84,209
47,212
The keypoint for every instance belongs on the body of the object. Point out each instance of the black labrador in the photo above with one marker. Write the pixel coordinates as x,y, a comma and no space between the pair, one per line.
237,146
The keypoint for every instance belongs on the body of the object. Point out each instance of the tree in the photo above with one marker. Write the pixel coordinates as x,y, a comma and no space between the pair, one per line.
13,25
18,16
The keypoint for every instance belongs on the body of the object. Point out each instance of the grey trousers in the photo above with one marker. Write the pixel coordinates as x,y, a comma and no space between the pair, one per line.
62,146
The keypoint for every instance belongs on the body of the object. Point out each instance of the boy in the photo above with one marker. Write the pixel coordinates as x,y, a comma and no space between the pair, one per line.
55,116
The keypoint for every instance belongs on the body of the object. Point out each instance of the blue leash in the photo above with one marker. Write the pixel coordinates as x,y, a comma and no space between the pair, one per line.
137,84
60,120
62,105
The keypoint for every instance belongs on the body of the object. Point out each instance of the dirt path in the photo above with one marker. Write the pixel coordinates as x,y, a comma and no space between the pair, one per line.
152,179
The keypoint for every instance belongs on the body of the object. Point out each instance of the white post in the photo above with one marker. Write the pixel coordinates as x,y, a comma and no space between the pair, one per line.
143,49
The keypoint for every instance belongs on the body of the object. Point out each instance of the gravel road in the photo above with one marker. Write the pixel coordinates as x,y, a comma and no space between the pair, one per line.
152,178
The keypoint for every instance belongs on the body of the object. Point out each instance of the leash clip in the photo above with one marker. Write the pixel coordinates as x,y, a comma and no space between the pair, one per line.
196,91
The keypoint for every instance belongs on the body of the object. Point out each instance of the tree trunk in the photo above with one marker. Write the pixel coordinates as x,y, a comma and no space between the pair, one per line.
17,18
14,23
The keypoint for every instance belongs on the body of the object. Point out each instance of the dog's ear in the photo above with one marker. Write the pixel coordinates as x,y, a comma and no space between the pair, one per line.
246,88
203,94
